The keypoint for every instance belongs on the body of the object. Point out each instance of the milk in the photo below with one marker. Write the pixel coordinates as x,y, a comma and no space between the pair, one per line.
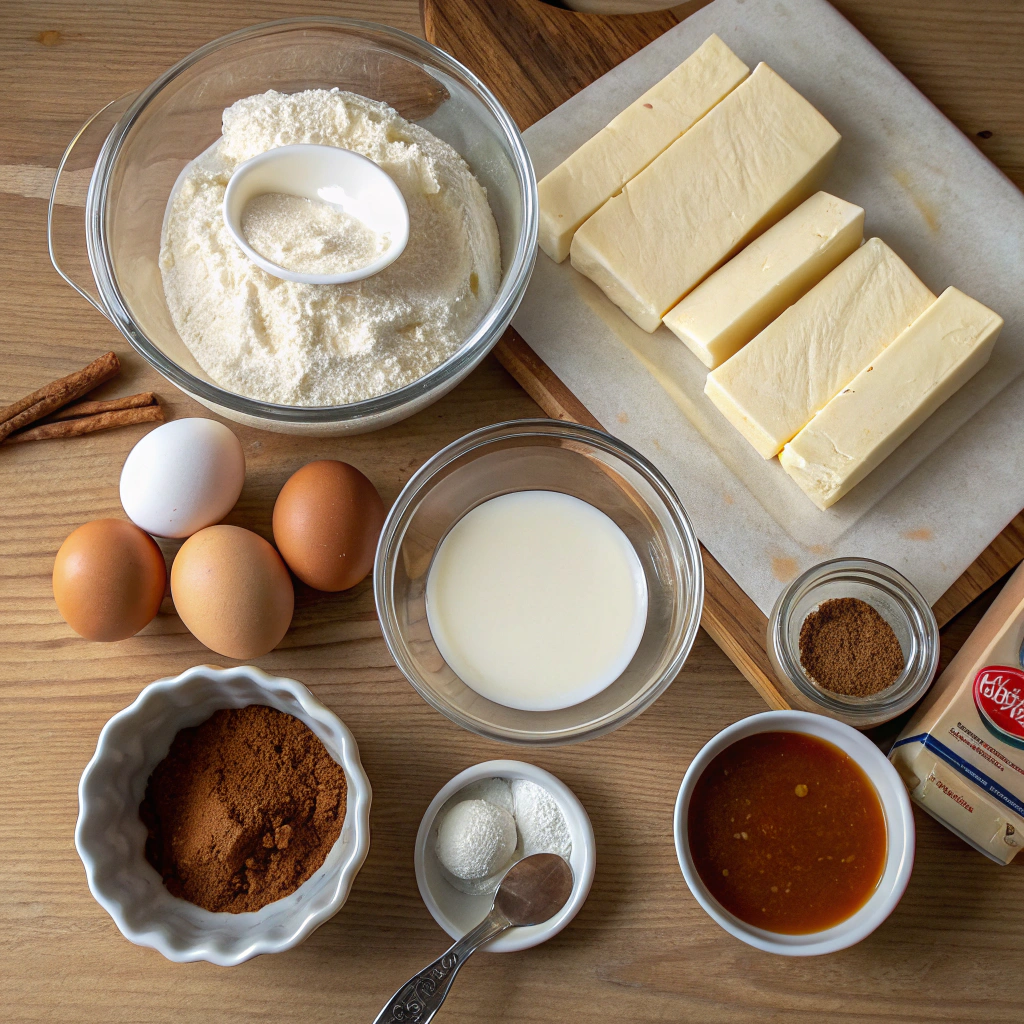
536,600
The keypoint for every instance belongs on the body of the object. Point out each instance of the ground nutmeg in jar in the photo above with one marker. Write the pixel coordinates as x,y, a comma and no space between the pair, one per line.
847,647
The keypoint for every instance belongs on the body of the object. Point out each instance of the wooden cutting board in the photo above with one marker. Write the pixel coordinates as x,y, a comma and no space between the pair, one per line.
534,57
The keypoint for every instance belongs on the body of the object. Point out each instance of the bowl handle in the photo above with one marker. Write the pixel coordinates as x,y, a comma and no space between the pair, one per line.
85,146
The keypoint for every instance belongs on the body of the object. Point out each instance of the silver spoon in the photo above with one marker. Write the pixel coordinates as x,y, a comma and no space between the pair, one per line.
532,892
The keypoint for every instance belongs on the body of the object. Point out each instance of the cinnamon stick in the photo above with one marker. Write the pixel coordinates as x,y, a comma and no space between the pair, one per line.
56,394
89,424
77,409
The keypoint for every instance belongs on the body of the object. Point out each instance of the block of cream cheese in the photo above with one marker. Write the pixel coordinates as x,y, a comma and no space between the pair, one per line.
740,299
889,399
962,754
773,386
749,161
624,147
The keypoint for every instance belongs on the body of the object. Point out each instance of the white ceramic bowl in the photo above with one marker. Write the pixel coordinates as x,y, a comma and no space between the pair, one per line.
899,824
111,838
457,912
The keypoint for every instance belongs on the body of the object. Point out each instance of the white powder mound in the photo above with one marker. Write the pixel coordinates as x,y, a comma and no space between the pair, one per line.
476,840
542,827
472,839
494,791
308,237
296,344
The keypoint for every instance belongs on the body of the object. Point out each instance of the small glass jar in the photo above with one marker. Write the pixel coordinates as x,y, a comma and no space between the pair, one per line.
895,598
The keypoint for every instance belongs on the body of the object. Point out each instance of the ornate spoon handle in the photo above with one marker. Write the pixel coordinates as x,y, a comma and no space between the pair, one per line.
421,997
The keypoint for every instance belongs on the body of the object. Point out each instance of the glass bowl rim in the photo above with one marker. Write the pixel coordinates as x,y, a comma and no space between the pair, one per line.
421,482
916,677
473,349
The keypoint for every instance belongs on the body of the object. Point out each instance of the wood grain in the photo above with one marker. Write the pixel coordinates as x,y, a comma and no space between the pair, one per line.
575,49
641,949
536,56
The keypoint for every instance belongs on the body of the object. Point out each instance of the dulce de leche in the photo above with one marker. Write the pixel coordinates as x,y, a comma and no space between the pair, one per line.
962,754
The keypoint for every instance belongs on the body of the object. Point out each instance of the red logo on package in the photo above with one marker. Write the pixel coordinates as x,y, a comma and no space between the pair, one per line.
999,697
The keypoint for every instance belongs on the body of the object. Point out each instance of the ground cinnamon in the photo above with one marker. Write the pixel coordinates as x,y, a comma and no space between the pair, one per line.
847,647
243,809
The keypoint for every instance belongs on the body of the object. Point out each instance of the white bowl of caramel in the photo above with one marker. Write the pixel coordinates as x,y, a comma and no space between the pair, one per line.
794,833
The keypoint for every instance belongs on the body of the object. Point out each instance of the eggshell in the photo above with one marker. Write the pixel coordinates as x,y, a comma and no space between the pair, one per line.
232,591
327,520
182,477
108,580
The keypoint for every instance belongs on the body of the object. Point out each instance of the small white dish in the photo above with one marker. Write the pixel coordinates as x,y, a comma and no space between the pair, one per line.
458,912
347,181
899,825
111,838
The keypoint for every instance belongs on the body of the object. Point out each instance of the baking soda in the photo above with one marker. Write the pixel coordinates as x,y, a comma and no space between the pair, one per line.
492,823
542,827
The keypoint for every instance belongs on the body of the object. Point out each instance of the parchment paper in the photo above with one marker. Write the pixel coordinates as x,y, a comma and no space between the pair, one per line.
940,499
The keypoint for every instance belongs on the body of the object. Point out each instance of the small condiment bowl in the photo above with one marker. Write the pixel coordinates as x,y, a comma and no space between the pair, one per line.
111,838
546,455
895,598
323,174
457,912
899,827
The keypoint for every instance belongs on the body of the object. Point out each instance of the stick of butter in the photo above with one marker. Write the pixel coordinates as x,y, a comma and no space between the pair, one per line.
626,145
773,386
888,400
740,299
749,161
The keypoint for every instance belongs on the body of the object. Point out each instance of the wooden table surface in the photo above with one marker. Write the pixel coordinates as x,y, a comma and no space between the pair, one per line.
641,949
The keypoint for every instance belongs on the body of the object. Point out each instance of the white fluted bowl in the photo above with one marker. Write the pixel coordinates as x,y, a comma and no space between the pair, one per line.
111,837
458,912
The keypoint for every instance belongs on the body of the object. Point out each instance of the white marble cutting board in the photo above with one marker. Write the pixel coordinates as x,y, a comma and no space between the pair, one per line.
941,498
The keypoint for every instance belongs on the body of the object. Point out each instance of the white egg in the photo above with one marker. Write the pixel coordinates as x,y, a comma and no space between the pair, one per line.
182,477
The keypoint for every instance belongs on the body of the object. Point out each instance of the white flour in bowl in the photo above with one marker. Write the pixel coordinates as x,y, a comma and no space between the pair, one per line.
298,344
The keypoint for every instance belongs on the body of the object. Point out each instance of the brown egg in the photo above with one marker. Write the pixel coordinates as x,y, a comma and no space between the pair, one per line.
232,591
327,519
109,579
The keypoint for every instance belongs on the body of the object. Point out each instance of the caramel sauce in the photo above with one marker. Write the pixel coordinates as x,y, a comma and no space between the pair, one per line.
787,832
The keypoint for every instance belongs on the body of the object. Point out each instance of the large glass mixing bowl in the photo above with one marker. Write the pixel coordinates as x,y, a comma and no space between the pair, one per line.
134,150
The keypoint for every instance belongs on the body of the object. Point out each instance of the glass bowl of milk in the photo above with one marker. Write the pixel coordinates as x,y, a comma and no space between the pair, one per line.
538,582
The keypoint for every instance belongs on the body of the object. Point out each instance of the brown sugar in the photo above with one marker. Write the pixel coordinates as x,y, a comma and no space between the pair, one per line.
243,809
848,648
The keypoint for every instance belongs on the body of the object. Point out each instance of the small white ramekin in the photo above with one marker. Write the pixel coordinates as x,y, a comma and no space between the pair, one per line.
899,825
111,838
457,912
